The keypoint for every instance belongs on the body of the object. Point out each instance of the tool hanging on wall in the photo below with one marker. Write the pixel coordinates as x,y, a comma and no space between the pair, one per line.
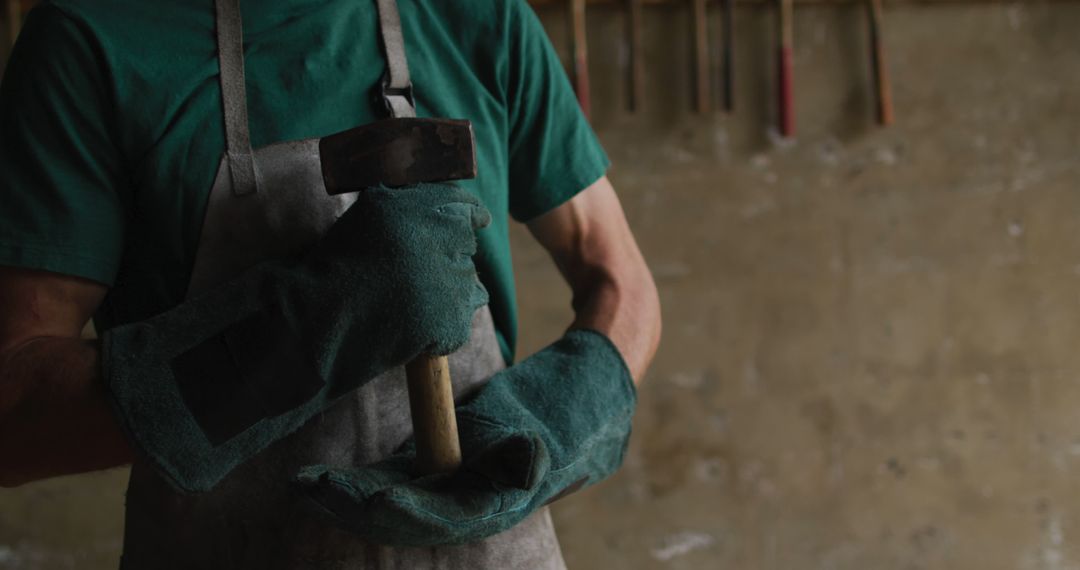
14,19
786,71
579,48
636,87
728,54
882,88
701,56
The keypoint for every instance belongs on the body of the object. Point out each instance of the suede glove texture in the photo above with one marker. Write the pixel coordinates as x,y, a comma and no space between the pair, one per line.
553,424
208,384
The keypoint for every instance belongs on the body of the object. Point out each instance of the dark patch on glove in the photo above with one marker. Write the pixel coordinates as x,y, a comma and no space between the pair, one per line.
254,369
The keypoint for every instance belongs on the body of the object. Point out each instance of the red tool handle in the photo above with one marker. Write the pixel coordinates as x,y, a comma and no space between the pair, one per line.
786,68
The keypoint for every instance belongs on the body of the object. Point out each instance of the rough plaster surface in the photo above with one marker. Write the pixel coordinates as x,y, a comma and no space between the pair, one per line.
869,354
868,358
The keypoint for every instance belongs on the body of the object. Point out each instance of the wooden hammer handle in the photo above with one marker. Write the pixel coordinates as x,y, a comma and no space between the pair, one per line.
431,401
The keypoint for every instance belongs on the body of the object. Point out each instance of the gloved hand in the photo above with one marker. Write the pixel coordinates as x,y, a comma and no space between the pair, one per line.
555,423
204,386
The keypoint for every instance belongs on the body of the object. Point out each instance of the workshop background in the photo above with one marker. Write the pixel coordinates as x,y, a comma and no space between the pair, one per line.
869,357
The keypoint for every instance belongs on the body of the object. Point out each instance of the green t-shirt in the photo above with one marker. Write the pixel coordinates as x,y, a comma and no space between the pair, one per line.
111,125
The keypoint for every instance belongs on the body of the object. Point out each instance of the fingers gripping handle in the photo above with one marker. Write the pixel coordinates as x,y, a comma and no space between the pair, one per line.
431,401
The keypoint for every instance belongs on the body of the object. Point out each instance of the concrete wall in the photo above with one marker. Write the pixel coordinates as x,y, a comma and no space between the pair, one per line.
868,356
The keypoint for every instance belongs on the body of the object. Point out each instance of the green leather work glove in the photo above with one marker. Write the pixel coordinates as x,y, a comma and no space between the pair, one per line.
206,385
555,423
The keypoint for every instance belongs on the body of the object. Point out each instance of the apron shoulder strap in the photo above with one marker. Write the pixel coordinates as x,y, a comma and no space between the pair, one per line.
230,44
397,90
396,87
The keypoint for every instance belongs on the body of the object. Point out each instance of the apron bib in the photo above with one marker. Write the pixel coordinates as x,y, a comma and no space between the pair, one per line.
267,203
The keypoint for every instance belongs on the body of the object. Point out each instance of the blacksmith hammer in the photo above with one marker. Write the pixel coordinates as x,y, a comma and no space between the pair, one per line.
401,152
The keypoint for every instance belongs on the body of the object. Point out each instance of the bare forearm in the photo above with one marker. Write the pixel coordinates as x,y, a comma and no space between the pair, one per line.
627,311
614,292
54,416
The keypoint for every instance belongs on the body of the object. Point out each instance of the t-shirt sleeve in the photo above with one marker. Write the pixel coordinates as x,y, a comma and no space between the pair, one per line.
61,204
554,153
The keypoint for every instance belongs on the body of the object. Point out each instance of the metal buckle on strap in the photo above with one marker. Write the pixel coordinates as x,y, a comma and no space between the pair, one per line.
389,93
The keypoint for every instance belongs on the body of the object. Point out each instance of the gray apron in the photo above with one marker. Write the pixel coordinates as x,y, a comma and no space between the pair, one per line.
271,202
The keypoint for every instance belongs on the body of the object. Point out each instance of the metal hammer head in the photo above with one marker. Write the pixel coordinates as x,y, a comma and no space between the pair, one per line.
398,152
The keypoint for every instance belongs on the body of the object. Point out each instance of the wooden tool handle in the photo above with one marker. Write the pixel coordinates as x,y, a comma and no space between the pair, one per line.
786,79
431,401
729,55
637,56
15,17
581,55
702,99
787,103
881,75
